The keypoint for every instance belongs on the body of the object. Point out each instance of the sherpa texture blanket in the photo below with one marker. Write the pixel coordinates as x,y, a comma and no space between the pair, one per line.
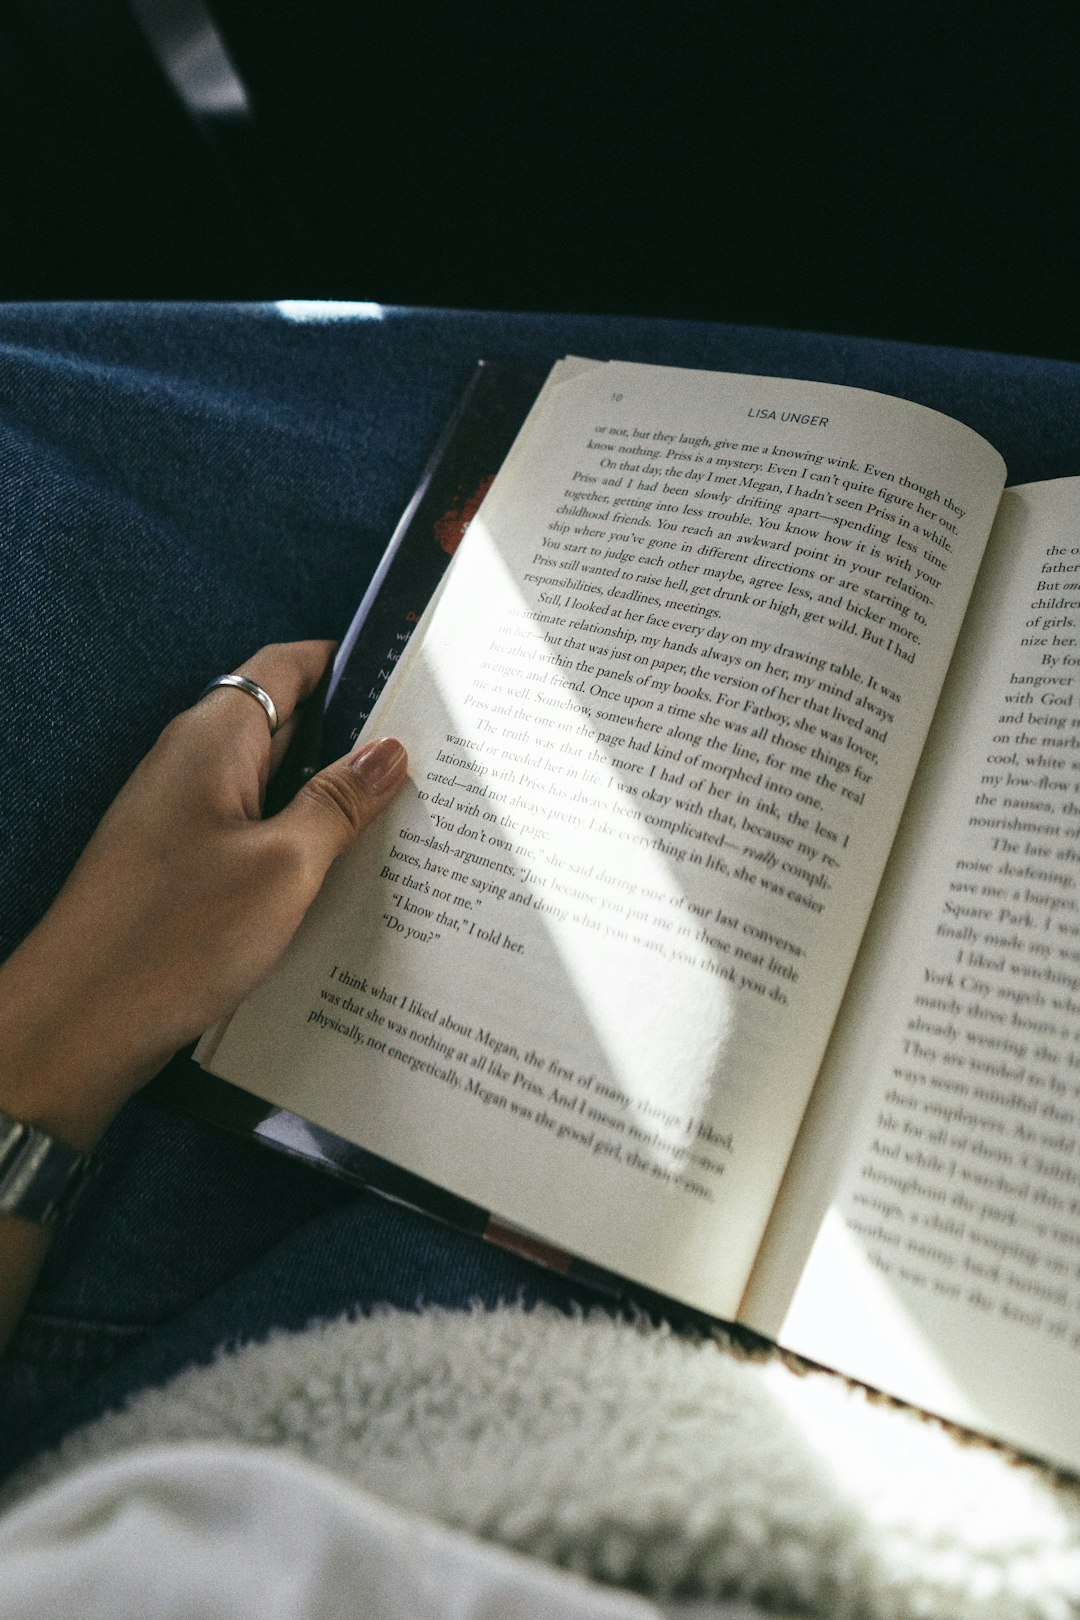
683,1469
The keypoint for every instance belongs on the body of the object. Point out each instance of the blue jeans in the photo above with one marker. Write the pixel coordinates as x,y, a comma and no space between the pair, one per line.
178,485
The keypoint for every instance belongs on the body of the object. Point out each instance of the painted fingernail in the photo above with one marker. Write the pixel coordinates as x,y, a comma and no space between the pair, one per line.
380,765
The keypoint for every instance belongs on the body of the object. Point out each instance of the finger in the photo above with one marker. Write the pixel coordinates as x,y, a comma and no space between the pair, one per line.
289,671
237,733
332,810
282,737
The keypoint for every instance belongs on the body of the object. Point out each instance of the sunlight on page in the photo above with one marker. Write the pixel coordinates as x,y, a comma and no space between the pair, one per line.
908,1474
317,309
872,1317
634,1033
909,1481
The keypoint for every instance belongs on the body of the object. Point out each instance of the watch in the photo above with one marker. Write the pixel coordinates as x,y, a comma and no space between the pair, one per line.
39,1176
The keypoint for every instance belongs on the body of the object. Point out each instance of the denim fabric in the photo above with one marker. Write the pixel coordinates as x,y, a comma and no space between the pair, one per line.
178,485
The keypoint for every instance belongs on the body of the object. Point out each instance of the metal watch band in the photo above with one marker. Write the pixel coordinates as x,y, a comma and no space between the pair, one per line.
39,1176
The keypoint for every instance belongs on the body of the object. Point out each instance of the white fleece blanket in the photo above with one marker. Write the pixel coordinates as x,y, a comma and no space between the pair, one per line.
678,1469
219,1532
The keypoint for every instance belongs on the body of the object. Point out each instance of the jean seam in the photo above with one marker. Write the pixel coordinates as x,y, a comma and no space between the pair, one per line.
53,1341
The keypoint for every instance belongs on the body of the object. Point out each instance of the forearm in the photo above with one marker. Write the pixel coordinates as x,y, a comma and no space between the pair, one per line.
71,1048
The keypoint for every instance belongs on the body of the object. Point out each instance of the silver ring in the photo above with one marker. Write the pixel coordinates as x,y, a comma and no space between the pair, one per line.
252,688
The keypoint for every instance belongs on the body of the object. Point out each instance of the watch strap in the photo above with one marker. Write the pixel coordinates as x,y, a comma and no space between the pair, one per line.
39,1176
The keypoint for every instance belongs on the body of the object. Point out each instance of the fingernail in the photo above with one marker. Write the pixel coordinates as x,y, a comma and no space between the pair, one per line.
380,764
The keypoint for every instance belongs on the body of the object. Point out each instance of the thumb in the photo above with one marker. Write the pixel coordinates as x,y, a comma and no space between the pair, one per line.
333,808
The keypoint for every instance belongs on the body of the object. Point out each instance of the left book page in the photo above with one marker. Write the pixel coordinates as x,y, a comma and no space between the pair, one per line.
661,734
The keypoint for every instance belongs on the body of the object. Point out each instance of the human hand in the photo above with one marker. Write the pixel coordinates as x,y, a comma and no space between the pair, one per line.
182,901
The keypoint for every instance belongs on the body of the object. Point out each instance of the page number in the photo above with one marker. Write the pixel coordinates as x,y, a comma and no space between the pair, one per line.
616,396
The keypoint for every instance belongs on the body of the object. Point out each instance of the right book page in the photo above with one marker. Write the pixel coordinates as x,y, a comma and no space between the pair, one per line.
946,1263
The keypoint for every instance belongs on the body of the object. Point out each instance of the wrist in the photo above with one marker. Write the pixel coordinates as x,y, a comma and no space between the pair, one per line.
40,1177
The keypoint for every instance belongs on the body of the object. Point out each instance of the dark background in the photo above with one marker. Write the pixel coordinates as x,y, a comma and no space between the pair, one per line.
839,168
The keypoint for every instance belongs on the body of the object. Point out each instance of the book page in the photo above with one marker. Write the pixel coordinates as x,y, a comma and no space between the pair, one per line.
661,724
947,1270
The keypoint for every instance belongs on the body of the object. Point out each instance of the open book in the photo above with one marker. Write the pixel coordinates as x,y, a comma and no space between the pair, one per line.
726,934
